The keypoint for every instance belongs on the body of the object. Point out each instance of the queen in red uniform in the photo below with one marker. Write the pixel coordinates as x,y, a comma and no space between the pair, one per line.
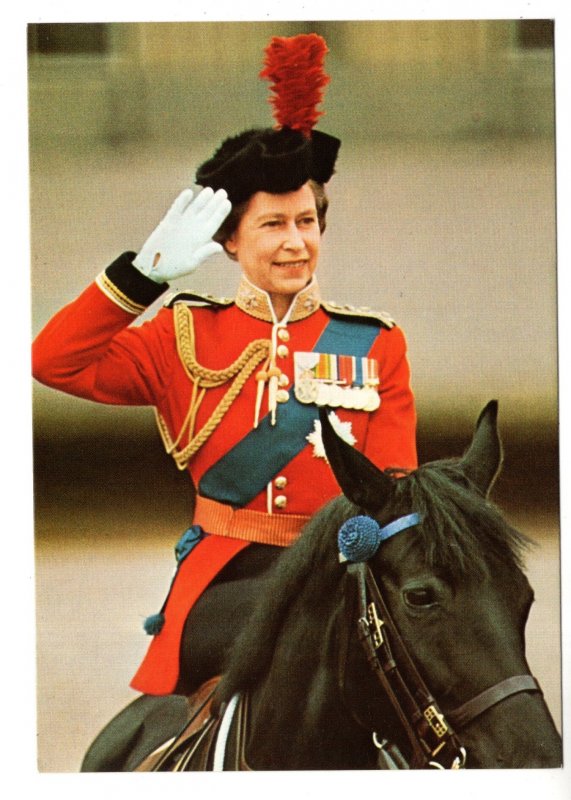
236,384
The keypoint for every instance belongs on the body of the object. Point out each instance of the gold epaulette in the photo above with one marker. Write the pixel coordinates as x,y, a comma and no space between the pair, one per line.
363,312
194,297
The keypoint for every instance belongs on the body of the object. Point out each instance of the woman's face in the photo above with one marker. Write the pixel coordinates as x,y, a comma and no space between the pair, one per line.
277,242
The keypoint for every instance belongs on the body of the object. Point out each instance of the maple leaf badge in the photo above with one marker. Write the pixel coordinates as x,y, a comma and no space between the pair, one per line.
342,429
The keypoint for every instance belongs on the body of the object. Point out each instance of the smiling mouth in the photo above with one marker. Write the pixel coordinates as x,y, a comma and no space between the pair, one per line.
290,264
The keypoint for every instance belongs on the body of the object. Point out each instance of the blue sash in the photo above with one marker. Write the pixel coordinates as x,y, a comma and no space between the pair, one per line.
243,472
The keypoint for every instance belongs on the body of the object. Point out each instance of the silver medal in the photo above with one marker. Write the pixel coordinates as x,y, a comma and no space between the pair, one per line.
348,400
335,396
322,398
306,390
373,401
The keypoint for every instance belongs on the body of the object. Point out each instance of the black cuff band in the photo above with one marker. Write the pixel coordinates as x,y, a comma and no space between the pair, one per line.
132,283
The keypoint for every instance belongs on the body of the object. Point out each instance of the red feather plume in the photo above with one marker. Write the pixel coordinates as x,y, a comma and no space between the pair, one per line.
295,67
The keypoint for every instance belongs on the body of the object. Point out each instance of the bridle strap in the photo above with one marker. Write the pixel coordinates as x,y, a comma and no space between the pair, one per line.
429,733
433,740
490,697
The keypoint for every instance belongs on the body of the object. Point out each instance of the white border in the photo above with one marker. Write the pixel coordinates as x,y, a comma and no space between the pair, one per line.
18,667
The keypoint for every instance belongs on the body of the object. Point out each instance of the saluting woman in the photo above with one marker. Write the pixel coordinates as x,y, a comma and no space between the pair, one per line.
237,384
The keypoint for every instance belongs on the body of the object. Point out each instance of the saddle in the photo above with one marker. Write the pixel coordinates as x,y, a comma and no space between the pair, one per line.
193,748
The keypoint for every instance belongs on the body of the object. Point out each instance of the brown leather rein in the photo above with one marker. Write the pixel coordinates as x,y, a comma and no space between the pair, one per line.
433,740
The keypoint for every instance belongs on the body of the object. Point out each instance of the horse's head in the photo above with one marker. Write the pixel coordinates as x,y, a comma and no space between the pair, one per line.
453,584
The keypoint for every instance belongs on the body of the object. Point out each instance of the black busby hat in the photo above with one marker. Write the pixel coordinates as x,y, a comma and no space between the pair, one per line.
283,158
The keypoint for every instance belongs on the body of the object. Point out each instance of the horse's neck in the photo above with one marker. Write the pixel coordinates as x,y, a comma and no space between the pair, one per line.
297,716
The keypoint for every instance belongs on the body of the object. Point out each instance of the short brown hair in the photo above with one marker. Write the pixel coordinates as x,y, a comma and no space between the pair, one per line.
230,224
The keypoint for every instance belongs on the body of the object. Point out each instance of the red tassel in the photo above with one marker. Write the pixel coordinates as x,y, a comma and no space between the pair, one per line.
295,67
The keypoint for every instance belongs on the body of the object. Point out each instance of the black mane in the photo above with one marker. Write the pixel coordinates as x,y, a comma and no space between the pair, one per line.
462,534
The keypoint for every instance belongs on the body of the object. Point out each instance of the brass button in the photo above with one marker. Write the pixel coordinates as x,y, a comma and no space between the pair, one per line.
282,351
280,501
282,395
283,334
283,380
280,482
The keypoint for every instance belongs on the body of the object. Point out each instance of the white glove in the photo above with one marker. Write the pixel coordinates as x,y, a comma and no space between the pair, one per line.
183,239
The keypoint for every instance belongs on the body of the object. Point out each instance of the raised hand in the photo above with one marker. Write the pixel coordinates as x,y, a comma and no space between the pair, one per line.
183,239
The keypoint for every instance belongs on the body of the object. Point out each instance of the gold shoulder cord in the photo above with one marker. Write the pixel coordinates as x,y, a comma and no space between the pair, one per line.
202,379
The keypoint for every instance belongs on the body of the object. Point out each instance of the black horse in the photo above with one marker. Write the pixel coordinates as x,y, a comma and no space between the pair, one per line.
405,651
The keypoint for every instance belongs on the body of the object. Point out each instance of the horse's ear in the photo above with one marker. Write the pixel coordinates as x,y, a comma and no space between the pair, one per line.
361,481
483,459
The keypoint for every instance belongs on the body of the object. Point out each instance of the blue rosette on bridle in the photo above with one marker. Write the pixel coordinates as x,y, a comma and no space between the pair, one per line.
360,537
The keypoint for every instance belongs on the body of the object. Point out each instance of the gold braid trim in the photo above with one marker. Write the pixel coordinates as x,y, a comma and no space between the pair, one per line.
117,296
203,378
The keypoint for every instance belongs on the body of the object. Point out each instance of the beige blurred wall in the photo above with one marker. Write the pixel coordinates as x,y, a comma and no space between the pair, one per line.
397,79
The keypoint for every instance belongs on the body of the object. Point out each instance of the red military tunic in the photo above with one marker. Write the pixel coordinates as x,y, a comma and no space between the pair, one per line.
89,349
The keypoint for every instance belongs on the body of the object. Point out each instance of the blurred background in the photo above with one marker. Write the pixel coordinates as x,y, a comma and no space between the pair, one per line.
442,213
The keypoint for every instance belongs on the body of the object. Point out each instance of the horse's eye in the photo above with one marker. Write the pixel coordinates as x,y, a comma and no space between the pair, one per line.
417,598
